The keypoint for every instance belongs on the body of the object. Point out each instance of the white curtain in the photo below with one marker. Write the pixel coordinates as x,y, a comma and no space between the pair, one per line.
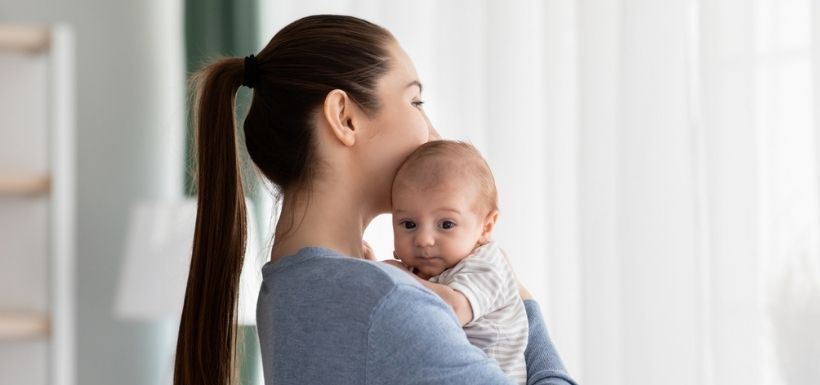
657,167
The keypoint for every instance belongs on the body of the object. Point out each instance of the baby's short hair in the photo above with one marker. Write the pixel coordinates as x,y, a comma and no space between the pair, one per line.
436,162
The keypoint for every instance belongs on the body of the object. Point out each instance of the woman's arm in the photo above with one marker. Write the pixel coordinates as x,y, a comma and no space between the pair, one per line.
414,338
544,366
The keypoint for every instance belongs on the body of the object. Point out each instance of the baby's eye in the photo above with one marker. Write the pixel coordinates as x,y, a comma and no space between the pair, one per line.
447,225
409,225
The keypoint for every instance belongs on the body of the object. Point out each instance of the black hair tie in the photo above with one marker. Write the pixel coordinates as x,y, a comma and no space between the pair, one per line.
249,77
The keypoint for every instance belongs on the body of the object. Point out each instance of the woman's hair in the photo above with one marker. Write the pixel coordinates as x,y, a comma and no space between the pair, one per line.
294,73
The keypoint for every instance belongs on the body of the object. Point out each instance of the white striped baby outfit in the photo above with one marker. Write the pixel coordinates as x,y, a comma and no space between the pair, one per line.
499,325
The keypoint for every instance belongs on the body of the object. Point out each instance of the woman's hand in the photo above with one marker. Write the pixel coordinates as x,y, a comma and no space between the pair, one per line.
522,291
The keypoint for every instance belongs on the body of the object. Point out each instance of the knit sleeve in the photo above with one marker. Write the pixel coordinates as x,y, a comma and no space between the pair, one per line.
414,338
544,366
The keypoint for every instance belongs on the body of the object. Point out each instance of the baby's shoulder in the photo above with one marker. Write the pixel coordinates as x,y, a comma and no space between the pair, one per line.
488,253
489,258
488,261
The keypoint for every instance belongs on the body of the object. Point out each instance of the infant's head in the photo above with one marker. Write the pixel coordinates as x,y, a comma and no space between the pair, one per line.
444,206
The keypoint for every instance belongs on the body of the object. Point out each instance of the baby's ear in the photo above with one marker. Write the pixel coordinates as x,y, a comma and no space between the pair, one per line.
489,225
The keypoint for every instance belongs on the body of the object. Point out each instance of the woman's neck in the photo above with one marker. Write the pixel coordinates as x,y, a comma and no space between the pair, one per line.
330,218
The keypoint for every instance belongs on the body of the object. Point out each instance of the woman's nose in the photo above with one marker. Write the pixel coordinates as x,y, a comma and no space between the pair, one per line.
432,134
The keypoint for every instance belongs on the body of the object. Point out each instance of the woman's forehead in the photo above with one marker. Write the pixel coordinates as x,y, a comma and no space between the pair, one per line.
402,73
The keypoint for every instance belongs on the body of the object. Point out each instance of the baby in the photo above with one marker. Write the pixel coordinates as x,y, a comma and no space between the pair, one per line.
444,211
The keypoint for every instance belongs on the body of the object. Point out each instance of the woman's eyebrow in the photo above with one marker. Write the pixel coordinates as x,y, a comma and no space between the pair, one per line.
415,83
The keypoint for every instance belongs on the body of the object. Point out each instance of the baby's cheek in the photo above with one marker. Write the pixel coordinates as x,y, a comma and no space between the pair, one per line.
402,248
460,250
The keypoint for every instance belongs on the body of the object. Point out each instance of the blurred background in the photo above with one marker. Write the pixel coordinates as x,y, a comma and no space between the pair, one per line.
657,164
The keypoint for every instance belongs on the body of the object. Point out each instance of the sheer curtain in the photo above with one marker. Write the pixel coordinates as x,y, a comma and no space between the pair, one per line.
657,168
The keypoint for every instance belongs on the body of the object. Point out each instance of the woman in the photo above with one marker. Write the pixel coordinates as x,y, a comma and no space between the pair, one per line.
335,110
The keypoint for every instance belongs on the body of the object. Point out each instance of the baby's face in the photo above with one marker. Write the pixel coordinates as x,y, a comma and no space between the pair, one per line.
436,228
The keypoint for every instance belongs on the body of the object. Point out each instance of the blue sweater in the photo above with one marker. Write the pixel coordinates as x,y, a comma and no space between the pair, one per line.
324,318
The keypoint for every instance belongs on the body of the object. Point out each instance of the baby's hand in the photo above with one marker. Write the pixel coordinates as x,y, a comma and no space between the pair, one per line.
367,251
398,264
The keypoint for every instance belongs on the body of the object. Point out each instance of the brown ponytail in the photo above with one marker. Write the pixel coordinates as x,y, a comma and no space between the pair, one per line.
294,72
207,332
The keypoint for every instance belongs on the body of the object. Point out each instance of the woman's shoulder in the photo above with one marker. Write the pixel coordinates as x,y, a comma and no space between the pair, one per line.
320,268
362,318
316,308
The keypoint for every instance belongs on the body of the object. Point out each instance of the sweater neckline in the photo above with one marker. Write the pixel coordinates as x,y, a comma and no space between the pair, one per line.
304,254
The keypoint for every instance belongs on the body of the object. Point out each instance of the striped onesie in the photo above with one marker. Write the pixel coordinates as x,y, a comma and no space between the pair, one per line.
499,326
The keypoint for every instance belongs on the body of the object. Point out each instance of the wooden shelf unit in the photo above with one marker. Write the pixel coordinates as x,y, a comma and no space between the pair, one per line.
17,184
25,38
20,326
37,236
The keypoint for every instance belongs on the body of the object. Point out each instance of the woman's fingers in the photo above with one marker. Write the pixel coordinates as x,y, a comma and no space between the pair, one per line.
522,291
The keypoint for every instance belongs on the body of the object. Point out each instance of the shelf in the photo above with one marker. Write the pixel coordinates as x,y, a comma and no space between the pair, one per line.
19,326
27,38
37,204
24,185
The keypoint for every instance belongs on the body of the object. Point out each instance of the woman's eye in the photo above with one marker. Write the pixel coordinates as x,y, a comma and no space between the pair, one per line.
408,225
447,225
418,103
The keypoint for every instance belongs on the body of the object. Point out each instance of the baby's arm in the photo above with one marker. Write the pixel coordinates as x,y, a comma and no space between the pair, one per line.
457,301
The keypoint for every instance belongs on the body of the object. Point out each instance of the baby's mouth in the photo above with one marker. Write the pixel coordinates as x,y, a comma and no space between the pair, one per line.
426,258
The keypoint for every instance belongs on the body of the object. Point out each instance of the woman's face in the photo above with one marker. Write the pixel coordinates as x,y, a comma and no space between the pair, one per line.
397,128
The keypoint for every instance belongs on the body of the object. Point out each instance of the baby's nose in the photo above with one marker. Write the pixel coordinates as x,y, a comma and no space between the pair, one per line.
425,239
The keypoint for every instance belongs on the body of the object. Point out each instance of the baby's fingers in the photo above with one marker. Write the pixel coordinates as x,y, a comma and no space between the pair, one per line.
367,251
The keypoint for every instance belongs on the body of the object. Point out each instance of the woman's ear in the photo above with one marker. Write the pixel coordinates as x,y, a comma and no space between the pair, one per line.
339,111
489,225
